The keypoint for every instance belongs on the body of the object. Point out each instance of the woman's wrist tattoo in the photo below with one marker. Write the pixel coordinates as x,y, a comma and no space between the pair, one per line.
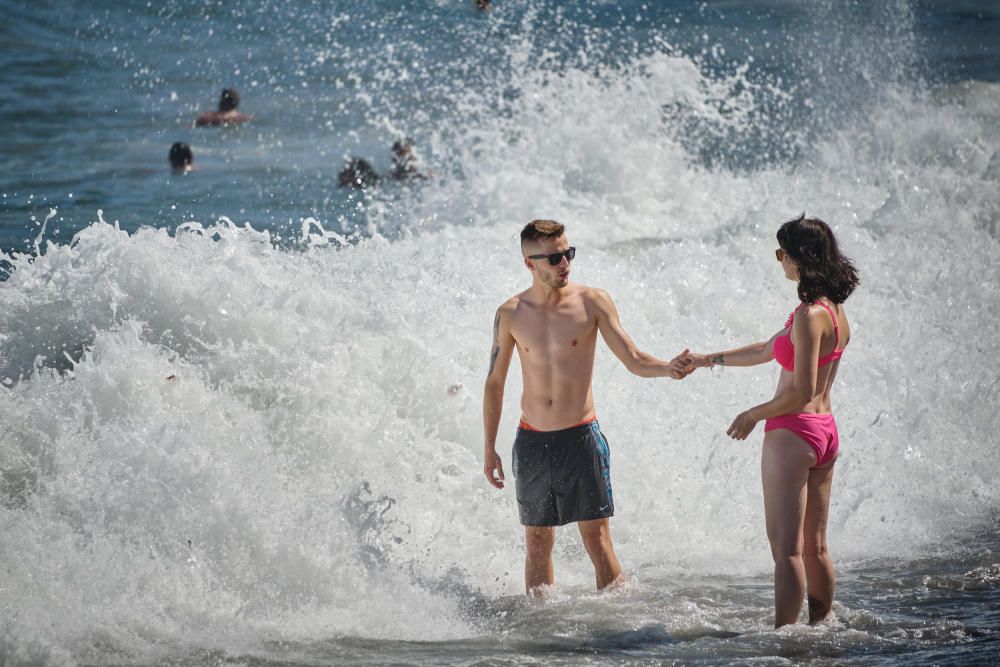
717,359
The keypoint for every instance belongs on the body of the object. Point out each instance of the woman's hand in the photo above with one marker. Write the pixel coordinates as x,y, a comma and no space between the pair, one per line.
742,426
694,360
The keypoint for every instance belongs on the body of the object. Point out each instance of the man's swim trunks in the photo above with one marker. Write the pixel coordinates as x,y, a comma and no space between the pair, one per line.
562,476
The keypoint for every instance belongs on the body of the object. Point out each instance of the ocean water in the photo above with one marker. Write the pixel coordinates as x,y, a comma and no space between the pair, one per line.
240,409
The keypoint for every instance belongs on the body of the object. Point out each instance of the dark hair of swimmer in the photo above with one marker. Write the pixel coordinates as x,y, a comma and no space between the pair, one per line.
402,147
823,269
483,5
358,173
181,156
229,100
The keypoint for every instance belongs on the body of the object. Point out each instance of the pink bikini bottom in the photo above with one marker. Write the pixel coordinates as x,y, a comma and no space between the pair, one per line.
819,432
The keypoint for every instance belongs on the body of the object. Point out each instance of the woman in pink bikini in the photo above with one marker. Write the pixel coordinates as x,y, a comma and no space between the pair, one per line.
800,434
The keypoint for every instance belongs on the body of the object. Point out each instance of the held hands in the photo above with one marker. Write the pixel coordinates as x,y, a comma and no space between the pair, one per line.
695,361
681,366
742,426
493,468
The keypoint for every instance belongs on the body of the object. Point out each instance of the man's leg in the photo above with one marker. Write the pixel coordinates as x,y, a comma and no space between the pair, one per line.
538,543
596,535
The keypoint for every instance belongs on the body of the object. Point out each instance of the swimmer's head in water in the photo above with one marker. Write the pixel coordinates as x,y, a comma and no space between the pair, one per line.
822,270
358,174
403,147
181,156
229,100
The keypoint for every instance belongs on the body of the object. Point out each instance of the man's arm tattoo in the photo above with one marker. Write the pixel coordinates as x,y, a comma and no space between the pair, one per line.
493,359
496,344
717,359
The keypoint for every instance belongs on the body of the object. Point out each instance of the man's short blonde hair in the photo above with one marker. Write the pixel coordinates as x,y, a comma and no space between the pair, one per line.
541,229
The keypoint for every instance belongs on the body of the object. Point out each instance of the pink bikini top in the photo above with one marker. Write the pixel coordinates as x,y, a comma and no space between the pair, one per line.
784,351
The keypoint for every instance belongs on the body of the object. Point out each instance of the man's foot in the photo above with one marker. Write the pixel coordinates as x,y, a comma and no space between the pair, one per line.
621,585
541,591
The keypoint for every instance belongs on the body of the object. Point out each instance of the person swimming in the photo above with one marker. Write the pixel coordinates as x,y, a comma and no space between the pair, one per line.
358,173
404,161
181,158
227,113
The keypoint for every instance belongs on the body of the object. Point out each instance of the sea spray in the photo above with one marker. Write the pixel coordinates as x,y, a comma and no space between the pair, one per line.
218,435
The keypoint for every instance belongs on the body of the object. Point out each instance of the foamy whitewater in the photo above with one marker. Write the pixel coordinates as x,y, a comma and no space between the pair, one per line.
222,446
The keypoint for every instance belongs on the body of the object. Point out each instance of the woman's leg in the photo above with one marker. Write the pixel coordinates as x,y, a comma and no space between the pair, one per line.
785,467
819,565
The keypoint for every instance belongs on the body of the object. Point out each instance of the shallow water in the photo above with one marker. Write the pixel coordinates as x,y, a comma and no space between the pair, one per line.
240,408
932,611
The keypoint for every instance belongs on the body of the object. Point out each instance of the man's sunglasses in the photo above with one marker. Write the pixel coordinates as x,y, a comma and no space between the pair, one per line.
556,258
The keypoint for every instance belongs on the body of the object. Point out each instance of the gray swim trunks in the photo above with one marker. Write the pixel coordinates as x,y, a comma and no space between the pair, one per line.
562,476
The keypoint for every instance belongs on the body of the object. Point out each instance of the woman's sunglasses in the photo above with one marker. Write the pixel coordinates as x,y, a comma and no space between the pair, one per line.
556,258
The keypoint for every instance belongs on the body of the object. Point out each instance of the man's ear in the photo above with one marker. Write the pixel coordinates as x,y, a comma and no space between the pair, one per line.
528,263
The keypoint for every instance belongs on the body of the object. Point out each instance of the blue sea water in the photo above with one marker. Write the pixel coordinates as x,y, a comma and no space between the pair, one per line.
240,407
94,94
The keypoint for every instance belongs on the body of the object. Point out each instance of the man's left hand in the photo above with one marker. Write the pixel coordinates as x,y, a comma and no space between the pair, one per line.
681,366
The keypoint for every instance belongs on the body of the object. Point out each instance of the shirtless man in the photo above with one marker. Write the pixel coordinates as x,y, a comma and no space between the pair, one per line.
561,458
227,113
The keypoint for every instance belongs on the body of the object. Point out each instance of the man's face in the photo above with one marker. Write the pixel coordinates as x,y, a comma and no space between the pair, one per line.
554,276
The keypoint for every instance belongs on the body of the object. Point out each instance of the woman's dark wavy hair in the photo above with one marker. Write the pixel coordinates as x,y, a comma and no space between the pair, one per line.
823,269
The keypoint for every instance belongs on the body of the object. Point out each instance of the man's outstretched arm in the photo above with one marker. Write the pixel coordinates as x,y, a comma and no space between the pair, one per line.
634,359
500,355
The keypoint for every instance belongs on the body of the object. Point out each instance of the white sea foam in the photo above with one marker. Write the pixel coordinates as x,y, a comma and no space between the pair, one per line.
212,441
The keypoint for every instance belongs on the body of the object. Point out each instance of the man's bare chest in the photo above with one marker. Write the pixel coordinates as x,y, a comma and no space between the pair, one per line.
552,330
